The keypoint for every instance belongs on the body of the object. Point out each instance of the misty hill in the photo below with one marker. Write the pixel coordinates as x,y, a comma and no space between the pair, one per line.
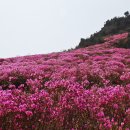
111,27
82,89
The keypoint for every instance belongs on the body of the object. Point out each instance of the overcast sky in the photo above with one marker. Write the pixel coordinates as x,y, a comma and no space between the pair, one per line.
43,26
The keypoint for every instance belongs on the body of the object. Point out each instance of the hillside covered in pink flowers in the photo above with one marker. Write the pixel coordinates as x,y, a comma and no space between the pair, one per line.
82,89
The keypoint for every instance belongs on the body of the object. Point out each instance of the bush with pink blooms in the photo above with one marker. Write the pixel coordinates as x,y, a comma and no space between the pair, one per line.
83,89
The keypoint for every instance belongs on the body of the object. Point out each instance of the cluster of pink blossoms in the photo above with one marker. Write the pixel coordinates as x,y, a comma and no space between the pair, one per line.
83,89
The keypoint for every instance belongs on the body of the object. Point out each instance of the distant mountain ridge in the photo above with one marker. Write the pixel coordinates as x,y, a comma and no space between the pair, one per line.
117,25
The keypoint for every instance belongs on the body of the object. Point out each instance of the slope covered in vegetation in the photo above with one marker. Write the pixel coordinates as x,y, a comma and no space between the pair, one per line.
114,26
83,89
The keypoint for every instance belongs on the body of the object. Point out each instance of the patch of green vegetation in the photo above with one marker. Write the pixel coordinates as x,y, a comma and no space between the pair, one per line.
111,27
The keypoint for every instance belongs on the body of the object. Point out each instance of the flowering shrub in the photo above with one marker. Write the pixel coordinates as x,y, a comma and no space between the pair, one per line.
83,89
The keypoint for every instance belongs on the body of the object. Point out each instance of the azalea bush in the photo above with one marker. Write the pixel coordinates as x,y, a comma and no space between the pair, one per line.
83,89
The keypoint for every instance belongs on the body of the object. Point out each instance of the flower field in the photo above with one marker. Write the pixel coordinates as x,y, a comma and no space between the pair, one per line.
83,89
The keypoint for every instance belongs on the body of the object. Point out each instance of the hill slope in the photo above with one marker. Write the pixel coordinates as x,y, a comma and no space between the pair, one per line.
116,25
82,89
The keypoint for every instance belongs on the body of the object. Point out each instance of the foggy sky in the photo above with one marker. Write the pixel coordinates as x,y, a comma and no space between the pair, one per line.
43,26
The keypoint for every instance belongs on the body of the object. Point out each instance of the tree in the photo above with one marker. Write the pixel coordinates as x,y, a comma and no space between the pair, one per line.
126,14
